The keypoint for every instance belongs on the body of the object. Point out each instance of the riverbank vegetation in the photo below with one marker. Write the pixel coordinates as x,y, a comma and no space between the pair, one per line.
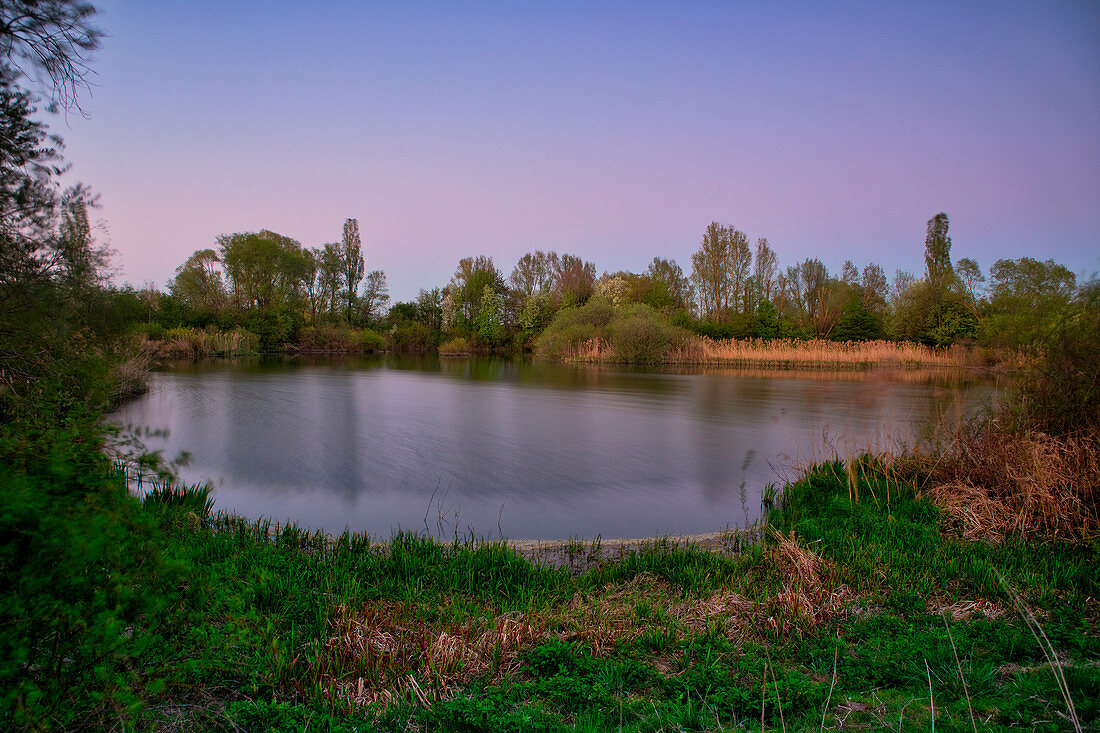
286,295
292,297
599,332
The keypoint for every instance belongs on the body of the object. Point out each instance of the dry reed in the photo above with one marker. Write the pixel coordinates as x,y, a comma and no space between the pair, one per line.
385,652
787,354
809,595
993,484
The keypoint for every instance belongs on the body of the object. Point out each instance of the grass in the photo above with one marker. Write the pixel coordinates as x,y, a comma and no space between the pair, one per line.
845,614
193,343
787,354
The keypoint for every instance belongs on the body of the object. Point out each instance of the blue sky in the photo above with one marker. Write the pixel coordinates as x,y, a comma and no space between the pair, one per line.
615,131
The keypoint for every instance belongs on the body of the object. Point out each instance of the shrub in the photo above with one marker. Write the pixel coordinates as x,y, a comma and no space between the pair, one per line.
87,599
638,339
455,347
368,339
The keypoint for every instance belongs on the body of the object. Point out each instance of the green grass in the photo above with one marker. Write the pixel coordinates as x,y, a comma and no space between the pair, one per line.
252,625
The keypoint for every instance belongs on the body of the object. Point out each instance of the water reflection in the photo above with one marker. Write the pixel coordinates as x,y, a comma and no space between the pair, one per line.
521,448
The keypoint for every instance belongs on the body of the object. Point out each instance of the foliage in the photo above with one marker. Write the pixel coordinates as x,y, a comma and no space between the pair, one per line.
857,323
275,327
1029,302
339,339
88,599
1061,389
720,271
455,347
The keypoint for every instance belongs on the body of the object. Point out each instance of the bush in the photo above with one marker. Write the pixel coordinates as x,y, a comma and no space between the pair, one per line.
455,347
412,336
636,334
275,327
340,340
151,331
87,599
1062,389
640,340
368,339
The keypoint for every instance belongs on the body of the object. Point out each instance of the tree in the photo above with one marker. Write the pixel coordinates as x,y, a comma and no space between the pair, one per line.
535,272
429,308
575,282
351,264
740,266
937,257
820,302
375,296
970,278
263,268
720,271
83,264
849,273
1028,301
764,271
670,276
198,282
47,42
875,290
51,39
465,294
330,277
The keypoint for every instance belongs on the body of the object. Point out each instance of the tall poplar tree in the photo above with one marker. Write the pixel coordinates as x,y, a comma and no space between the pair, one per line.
352,265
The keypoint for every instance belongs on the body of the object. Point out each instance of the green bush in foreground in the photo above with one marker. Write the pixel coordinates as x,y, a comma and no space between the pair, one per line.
88,596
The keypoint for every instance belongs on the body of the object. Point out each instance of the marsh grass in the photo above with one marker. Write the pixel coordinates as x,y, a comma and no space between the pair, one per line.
193,343
779,354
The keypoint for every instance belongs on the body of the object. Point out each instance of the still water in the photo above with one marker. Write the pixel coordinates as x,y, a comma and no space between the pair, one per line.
515,448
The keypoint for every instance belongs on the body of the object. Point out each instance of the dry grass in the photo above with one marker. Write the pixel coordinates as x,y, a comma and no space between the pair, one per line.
386,651
832,353
789,354
809,594
965,609
995,484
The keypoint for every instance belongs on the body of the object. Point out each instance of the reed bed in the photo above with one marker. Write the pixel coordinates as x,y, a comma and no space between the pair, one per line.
788,354
995,484
192,343
856,354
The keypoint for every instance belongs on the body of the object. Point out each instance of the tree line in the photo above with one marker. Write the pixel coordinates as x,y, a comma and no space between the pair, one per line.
735,288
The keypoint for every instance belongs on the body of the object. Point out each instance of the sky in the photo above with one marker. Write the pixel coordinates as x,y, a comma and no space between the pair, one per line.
614,131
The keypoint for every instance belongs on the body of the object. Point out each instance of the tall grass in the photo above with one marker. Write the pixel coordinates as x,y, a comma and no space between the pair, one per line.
192,343
832,353
782,353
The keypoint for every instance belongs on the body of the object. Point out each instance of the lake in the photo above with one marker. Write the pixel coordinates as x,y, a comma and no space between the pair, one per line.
519,449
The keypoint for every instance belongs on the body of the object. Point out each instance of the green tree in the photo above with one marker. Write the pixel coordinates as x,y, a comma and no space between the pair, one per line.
465,293
937,258
198,282
1028,301
374,297
264,269
352,266
667,281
